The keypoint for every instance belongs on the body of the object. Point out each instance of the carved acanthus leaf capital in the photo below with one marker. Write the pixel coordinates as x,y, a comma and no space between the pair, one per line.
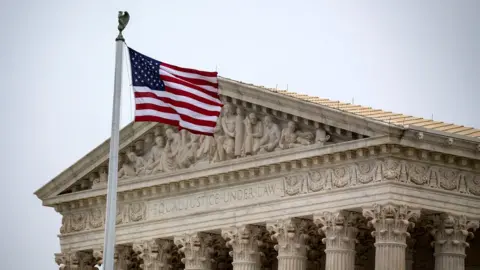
451,231
339,228
61,260
391,221
290,234
197,251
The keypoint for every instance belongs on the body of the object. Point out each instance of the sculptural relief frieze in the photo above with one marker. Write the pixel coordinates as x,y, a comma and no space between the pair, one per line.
94,218
239,133
387,169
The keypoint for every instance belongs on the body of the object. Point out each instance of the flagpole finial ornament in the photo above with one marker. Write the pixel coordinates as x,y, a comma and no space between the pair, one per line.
123,18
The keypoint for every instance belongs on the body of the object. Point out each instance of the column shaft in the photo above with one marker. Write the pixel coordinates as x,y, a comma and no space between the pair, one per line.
390,256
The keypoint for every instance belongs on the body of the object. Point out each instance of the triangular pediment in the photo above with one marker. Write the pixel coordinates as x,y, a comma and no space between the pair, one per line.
255,122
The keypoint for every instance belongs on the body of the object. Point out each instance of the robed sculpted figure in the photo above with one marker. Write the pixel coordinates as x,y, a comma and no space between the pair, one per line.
154,163
133,166
187,155
291,137
168,158
271,135
239,132
228,126
253,134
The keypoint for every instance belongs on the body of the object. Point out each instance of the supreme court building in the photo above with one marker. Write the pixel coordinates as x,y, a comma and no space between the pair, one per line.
288,182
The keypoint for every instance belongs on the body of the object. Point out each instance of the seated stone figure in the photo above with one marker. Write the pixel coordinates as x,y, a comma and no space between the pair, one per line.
154,162
187,155
133,166
291,137
271,135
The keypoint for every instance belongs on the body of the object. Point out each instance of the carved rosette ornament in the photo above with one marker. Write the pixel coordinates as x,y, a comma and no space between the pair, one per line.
197,253
290,235
340,238
244,243
391,223
153,254
450,240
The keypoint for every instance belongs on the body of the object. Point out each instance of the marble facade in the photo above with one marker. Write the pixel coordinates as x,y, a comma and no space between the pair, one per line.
284,184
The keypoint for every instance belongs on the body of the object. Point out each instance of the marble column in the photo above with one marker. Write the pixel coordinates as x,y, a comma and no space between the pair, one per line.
391,223
450,240
410,253
197,253
290,236
153,253
340,238
244,243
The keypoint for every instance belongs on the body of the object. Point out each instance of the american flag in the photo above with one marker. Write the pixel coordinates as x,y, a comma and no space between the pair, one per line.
172,95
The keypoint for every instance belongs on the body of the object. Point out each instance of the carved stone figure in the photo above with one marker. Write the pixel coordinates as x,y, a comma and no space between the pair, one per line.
271,137
154,163
253,134
127,169
228,125
239,132
187,155
133,166
291,137
321,136
207,148
168,158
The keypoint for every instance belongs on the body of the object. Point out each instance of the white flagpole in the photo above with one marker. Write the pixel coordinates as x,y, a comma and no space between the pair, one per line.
111,215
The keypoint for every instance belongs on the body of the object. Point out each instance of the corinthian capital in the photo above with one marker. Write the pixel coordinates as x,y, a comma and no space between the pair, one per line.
339,228
453,230
289,233
241,235
197,251
154,253
391,221
62,260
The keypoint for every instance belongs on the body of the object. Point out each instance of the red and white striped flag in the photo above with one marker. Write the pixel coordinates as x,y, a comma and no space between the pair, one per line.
182,97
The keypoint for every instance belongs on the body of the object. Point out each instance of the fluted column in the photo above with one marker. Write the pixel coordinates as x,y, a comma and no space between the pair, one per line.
197,253
292,252
391,223
450,239
244,244
409,254
340,238
153,253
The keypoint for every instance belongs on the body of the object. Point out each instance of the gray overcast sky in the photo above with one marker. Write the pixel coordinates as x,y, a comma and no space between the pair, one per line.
57,59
